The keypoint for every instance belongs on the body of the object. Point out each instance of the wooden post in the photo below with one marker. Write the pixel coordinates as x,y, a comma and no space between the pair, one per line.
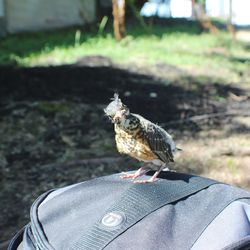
119,18
230,10
230,26
193,9
122,17
199,14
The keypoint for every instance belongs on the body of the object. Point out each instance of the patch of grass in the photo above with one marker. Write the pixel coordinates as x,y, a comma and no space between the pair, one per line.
53,107
176,45
232,166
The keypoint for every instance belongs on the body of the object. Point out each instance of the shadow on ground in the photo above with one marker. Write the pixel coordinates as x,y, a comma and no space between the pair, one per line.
53,131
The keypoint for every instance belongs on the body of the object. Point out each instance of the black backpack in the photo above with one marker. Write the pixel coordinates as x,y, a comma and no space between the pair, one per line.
178,212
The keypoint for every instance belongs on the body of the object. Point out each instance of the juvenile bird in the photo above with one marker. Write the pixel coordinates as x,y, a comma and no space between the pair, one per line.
140,139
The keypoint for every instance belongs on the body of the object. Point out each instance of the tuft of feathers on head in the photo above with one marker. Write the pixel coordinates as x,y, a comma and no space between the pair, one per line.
116,97
114,106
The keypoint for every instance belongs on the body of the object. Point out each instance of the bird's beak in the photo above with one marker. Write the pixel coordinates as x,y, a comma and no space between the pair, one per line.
118,115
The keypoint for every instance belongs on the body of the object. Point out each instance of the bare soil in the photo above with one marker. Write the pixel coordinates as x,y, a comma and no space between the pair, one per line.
53,131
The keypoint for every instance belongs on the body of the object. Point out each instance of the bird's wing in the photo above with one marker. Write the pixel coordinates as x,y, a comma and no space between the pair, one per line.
158,140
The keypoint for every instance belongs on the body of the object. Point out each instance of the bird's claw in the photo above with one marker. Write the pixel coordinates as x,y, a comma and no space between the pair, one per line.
129,176
145,181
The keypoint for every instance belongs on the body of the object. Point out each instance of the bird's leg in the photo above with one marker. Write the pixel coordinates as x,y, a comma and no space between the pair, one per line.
153,178
141,171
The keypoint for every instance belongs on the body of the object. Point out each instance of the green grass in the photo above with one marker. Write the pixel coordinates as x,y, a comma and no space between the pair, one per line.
182,46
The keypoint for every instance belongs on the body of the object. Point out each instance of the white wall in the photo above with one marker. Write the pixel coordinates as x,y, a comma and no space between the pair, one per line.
181,8
217,8
241,12
220,8
33,15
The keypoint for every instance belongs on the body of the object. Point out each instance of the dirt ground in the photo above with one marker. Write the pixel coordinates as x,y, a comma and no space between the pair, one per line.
53,131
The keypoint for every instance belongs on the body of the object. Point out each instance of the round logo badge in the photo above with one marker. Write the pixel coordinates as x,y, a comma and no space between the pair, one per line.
113,219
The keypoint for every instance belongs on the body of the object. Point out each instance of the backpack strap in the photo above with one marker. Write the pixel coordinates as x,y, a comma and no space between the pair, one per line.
135,203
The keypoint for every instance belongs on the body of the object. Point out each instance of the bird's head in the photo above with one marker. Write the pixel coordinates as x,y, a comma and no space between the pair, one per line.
116,110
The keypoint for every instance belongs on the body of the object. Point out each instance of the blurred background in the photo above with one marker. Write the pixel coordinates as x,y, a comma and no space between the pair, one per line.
183,64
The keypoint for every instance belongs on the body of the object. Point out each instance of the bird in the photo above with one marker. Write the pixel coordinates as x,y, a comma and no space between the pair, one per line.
141,139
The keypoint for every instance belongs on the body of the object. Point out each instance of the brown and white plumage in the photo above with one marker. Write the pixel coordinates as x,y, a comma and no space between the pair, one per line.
141,139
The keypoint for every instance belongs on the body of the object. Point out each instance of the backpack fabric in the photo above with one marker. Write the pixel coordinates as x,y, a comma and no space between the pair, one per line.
178,212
